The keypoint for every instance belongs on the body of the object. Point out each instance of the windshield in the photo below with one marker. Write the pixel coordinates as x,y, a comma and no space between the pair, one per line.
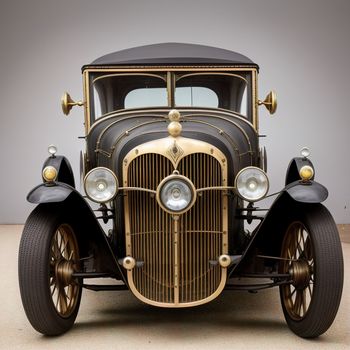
118,91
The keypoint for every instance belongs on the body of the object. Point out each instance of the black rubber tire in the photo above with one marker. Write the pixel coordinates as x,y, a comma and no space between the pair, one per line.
34,271
328,273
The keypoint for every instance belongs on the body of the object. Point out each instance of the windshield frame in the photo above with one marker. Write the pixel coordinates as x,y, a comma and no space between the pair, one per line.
171,74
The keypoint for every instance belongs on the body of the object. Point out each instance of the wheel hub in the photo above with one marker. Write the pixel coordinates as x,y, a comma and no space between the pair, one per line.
300,273
64,271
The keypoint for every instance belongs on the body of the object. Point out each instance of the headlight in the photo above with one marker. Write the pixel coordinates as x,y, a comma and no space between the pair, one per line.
176,194
252,184
101,185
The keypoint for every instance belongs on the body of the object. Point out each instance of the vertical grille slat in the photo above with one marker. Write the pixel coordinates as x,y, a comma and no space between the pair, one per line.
200,238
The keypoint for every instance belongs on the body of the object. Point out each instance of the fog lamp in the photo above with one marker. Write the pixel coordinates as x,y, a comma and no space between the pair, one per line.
176,194
101,185
306,173
252,184
49,173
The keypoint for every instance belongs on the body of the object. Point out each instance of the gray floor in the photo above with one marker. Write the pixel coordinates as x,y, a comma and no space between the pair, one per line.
117,320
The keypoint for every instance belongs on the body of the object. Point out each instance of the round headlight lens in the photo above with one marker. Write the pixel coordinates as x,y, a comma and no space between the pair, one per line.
176,194
101,185
252,184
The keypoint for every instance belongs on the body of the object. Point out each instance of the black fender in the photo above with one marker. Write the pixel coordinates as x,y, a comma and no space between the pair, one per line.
268,236
307,192
63,167
50,193
91,238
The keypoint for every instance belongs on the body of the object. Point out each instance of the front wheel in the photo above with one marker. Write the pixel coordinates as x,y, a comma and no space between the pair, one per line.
48,256
312,255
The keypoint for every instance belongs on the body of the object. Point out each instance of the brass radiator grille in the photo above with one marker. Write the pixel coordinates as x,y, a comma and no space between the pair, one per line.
177,261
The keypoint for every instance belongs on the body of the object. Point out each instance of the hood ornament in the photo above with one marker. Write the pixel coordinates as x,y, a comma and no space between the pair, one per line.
174,127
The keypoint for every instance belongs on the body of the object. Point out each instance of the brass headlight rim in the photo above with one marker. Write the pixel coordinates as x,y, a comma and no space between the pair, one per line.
176,177
115,178
267,179
46,179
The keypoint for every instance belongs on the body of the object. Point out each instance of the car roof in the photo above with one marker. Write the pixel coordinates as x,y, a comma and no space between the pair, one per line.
173,54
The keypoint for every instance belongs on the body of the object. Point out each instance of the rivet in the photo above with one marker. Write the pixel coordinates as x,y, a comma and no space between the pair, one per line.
212,150
136,151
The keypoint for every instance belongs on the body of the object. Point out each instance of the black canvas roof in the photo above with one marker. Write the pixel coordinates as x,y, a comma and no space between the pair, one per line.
172,54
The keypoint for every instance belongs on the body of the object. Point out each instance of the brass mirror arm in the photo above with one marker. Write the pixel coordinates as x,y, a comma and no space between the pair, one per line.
67,103
77,103
264,103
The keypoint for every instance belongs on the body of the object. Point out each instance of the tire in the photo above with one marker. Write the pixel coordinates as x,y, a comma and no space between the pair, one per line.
310,303
48,254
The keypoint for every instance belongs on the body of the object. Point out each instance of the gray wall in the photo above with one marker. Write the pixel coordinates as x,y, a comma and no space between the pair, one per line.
301,46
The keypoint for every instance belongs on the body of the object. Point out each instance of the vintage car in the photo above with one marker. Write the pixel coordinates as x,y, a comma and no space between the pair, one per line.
172,174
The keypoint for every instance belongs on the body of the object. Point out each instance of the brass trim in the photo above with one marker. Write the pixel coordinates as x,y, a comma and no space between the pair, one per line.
128,74
255,107
160,147
212,73
174,129
170,68
137,189
215,188
87,116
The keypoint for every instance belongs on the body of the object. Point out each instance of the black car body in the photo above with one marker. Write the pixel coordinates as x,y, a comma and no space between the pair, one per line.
173,160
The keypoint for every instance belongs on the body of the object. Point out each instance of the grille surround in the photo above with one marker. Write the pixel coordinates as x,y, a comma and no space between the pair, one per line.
176,257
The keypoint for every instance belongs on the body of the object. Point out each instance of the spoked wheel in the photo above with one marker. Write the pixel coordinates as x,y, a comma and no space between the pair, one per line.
312,255
48,257
64,256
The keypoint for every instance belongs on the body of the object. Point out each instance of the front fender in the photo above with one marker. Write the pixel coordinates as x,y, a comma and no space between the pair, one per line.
50,193
308,192
268,236
91,238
